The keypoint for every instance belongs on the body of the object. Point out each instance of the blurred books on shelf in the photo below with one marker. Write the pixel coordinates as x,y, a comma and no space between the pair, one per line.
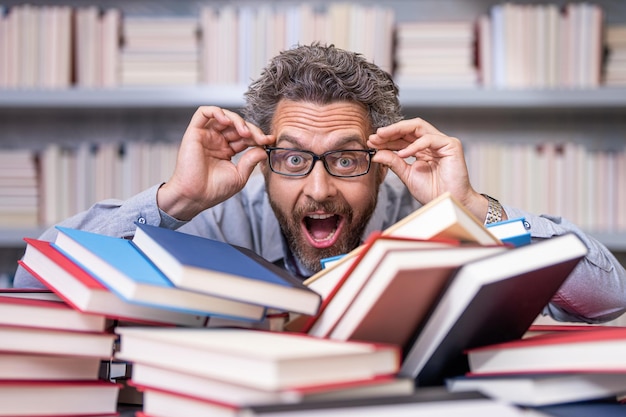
436,54
615,66
19,192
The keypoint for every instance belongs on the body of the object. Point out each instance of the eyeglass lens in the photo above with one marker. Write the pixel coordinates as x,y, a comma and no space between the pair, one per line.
343,163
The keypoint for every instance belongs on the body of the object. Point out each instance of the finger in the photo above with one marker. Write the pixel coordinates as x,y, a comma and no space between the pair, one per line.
391,160
204,114
249,160
430,145
413,127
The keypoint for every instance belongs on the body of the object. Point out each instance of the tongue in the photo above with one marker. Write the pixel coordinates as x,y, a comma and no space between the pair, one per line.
321,229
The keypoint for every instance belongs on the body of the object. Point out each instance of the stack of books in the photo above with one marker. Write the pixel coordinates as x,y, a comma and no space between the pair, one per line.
436,54
541,46
570,365
19,194
437,283
421,293
159,51
96,46
51,357
615,68
225,370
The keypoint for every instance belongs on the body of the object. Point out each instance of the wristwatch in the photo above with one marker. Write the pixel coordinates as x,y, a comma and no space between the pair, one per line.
494,211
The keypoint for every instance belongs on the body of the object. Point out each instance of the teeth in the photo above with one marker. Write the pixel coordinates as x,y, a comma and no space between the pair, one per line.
329,237
320,216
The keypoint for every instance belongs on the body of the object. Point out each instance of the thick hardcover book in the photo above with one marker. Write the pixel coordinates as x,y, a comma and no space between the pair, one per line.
18,339
224,270
430,401
58,398
81,290
15,311
537,389
236,395
44,367
126,271
514,232
490,300
443,218
257,358
568,351
390,289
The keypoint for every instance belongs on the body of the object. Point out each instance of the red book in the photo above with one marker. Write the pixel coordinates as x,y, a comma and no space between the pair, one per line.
16,311
570,351
237,395
390,287
83,292
58,398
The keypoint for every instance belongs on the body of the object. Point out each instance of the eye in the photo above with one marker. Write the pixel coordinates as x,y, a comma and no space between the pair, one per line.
294,160
345,162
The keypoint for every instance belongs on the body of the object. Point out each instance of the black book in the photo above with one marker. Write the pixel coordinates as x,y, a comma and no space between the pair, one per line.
489,300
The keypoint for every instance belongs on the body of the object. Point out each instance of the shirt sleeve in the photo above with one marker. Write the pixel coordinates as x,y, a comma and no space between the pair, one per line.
596,290
109,217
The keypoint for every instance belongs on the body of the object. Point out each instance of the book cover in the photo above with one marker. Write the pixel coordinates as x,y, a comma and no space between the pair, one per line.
390,288
77,287
257,358
125,270
442,218
512,231
224,270
344,282
490,300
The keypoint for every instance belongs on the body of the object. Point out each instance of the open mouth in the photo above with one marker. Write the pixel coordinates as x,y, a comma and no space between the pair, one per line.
322,229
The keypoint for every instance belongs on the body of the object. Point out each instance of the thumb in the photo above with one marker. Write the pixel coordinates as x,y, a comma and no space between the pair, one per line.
391,160
249,160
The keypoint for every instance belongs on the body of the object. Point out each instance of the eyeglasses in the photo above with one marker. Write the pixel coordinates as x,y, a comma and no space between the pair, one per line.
299,163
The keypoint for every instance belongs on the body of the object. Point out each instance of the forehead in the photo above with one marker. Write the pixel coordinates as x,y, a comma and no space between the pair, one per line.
309,120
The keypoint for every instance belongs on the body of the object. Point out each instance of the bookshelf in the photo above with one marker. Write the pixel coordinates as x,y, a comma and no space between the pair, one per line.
34,117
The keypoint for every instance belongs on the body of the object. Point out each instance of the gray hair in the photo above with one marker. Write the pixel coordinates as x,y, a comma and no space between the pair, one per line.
322,74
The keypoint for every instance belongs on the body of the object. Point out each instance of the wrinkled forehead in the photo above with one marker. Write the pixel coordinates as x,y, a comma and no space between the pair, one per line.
310,122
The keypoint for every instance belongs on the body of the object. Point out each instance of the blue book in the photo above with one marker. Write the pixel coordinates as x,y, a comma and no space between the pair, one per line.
224,270
125,270
515,232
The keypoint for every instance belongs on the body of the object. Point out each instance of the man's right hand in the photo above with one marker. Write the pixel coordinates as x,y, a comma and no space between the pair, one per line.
205,174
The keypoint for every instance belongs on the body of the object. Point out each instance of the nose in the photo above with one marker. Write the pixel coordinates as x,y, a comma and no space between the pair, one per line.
320,185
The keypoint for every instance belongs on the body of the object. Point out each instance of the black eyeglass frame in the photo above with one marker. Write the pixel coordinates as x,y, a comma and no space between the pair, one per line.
322,157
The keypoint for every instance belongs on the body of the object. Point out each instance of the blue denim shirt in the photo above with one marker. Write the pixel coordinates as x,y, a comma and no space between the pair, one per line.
594,292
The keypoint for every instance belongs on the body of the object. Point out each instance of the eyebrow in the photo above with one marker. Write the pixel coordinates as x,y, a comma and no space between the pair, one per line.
339,144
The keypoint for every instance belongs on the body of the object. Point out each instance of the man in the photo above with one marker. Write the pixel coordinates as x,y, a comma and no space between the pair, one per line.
325,126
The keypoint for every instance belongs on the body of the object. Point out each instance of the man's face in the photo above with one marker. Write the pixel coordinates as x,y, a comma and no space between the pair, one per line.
322,215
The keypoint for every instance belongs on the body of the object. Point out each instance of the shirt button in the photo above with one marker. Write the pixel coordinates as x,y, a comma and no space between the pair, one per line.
141,220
